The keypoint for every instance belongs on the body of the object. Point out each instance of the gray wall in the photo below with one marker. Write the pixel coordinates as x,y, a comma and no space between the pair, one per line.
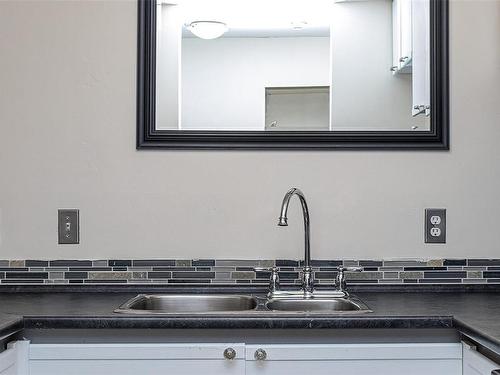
67,139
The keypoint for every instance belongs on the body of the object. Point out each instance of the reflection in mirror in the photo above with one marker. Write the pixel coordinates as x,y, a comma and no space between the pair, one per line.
289,108
293,65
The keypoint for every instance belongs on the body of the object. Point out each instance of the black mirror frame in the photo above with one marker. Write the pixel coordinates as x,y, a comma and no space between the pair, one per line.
148,137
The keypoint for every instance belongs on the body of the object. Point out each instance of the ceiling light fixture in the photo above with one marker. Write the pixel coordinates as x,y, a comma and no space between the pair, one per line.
207,29
299,25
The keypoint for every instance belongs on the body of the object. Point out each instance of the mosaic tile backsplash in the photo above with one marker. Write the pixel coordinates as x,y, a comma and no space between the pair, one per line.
226,271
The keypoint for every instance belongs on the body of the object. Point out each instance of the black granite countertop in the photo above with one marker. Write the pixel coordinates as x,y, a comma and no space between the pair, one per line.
476,315
10,323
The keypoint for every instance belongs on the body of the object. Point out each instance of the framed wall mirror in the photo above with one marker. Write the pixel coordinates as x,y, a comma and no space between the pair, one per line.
293,74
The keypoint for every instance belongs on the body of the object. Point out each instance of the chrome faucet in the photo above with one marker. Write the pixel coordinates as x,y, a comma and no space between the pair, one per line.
307,290
307,275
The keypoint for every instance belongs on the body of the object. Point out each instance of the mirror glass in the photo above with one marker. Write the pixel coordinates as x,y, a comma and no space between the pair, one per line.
293,65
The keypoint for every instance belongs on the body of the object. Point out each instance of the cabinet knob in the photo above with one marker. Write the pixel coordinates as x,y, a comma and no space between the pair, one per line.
260,355
229,353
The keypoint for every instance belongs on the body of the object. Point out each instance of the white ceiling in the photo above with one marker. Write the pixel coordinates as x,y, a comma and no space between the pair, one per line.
314,31
260,18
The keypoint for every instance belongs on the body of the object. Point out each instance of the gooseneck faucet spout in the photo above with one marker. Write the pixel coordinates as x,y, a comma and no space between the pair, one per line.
307,278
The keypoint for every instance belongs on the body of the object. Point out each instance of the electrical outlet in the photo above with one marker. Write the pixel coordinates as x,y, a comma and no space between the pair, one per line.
435,232
435,225
68,226
435,220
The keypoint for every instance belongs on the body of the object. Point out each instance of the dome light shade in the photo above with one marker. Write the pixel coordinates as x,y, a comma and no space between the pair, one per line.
299,25
208,29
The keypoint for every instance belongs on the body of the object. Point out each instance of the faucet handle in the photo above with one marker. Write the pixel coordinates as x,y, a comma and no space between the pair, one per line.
274,281
349,269
340,281
266,269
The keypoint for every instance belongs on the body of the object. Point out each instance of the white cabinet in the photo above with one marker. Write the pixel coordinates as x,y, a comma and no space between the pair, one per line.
124,359
355,359
14,360
23,358
396,35
411,49
402,35
405,48
421,58
475,363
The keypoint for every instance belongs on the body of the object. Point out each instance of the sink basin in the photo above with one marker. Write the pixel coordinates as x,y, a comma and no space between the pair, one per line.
182,303
318,305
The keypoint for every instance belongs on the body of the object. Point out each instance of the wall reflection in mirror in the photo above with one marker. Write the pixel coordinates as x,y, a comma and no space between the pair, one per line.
293,65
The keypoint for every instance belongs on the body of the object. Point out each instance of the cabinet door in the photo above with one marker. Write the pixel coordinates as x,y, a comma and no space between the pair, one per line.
396,34
421,63
125,359
402,43
475,363
14,360
405,22
355,359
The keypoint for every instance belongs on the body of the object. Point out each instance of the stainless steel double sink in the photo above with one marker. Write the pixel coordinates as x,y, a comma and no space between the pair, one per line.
306,300
154,304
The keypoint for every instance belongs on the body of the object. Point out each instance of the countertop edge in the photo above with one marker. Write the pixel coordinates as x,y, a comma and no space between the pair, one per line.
478,336
241,322
306,322
10,324
18,323
250,322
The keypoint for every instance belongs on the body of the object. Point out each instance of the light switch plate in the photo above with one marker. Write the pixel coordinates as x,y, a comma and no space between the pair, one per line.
435,225
68,226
